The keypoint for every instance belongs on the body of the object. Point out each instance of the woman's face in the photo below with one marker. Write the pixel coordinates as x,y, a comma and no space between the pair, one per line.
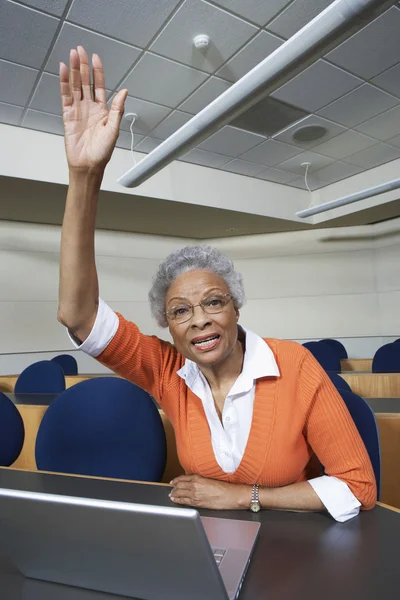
190,338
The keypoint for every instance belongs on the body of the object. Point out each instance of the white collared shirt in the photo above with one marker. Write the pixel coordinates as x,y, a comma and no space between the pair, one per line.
229,438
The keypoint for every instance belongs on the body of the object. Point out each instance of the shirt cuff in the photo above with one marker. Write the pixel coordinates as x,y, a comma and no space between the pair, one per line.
336,496
103,331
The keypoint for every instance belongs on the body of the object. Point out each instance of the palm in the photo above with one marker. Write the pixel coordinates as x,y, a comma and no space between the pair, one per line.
91,129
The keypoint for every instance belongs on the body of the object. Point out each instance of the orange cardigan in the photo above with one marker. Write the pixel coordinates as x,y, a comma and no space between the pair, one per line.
296,416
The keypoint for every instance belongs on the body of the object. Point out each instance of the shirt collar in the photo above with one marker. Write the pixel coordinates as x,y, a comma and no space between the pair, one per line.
259,361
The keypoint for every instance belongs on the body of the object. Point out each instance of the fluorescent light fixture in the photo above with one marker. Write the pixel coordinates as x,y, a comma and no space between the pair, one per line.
336,23
369,193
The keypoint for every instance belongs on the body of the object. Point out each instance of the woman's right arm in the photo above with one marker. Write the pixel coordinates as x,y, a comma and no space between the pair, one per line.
91,132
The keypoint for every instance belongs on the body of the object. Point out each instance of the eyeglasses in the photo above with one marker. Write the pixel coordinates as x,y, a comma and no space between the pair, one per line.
211,305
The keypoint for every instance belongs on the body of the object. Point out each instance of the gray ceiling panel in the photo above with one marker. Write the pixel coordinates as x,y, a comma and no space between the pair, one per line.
43,122
277,176
205,94
294,165
152,78
389,80
227,34
358,106
271,153
125,140
133,22
251,55
16,83
296,15
54,7
333,129
25,34
373,49
317,86
337,171
149,115
394,141
242,167
231,141
171,124
148,144
384,126
374,156
259,11
206,159
268,116
117,57
10,114
345,144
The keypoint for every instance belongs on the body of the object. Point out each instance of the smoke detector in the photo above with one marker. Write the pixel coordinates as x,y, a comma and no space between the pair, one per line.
201,42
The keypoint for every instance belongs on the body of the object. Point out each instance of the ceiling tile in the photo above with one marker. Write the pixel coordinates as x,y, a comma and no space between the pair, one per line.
384,126
268,116
10,114
54,7
286,135
389,80
358,106
242,167
16,83
227,34
132,22
231,141
374,156
25,34
43,122
148,144
251,55
171,124
277,176
117,57
373,49
345,144
337,171
317,162
295,16
205,159
394,141
313,182
205,94
125,140
152,76
258,11
149,115
317,86
271,153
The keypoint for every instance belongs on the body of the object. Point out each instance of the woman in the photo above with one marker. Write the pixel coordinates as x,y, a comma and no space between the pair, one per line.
250,415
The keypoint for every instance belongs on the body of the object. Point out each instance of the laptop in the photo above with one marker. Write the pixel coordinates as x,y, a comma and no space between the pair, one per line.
134,550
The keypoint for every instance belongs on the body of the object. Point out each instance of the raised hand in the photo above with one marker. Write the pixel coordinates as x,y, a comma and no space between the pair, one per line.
91,129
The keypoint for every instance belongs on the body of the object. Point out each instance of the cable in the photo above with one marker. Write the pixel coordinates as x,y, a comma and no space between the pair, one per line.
132,116
307,165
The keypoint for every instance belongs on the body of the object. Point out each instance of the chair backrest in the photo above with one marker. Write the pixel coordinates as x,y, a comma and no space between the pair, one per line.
325,355
364,419
43,377
338,346
339,382
105,427
387,359
67,363
396,341
12,432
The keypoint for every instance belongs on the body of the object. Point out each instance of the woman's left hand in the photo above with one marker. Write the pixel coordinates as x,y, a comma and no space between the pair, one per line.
194,490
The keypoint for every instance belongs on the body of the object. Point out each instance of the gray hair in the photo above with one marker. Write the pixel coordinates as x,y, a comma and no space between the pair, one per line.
193,258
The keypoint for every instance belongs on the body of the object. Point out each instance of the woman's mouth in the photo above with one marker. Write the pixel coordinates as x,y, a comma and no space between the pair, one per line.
206,343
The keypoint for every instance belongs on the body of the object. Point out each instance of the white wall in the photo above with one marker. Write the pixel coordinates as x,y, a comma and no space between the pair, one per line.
301,285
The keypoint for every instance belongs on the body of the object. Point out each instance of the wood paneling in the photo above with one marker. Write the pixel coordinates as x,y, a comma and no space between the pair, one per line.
374,385
389,432
357,364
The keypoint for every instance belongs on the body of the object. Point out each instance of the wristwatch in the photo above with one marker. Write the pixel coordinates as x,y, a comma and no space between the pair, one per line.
255,505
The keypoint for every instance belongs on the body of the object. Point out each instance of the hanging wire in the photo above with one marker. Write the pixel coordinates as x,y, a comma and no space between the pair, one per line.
134,117
306,176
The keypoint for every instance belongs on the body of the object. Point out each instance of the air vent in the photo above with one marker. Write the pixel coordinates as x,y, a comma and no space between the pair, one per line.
310,133
269,116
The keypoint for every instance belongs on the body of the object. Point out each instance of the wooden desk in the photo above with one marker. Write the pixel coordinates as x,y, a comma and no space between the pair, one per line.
356,364
374,385
296,556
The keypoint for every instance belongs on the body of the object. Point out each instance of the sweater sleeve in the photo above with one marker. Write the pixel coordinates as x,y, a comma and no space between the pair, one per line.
332,434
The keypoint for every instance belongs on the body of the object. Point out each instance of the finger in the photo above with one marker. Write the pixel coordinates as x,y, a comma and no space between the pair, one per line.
99,90
85,73
182,485
65,91
75,76
181,478
117,110
183,500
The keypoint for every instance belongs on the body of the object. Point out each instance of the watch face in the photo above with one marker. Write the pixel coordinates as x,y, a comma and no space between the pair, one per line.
255,507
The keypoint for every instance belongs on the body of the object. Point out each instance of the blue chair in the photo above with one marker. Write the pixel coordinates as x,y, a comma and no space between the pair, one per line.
325,355
396,341
67,363
387,359
339,382
12,432
43,377
106,427
364,419
338,346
